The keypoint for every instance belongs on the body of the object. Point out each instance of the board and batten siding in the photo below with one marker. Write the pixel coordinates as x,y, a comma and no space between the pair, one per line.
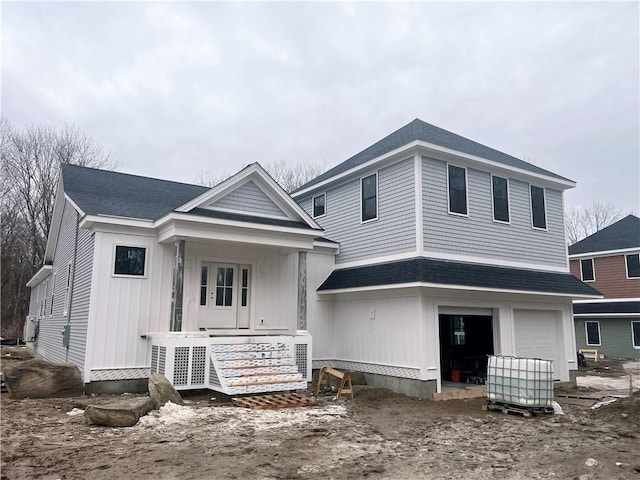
615,336
125,309
49,341
393,232
249,198
478,235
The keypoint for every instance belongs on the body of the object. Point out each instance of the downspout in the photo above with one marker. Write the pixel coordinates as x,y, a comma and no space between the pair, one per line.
66,334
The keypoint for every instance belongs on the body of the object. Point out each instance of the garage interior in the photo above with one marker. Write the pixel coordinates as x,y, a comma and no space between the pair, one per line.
465,342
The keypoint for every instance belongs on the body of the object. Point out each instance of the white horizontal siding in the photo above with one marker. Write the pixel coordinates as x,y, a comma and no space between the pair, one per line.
478,235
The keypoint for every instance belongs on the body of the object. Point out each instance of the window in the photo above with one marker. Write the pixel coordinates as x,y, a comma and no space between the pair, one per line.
500,189
457,331
457,183
593,333
538,208
319,205
369,196
204,278
130,261
53,291
588,272
635,334
67,290
633,265
224,287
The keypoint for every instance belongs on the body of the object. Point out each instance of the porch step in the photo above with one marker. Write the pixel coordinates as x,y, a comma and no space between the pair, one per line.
256,367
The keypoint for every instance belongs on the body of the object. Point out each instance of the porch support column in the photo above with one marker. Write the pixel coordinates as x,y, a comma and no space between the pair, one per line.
178,286
302,290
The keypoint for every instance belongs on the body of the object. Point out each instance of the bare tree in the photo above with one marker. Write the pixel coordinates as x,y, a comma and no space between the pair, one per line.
31,160
289,175
582,222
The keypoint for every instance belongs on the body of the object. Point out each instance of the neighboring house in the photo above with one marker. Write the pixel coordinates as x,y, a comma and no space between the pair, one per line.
609,261
409,261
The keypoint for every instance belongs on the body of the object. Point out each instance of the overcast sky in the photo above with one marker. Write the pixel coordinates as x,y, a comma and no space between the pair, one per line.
174,89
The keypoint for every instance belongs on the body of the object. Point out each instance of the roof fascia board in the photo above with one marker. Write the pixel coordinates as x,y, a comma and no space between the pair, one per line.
610,314
235,236
195,219
604,253
450,287
74,204
40,275
56,220
441,153
90,221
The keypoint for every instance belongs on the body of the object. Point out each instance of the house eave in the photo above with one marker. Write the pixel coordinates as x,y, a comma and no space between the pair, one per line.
438,152
604,253
452,287
40,275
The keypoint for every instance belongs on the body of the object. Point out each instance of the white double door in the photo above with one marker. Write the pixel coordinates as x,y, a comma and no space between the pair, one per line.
224,295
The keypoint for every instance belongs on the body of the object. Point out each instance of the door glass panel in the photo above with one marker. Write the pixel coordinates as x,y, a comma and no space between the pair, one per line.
245,287
203,284
224,287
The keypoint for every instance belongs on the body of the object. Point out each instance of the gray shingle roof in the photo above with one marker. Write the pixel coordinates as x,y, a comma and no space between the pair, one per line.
443,272
607,307
623,234
203,212
419,130
120,194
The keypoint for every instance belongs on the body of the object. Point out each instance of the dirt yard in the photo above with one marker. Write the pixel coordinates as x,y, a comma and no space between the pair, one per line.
379,435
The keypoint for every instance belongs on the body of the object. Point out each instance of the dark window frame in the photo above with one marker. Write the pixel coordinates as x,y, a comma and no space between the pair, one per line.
587,333
459,194
368,200
537,210
582,270
120,263
501,201
635,266
635,334
315,214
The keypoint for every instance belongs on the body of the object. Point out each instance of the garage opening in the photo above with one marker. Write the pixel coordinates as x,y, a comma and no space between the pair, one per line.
465,342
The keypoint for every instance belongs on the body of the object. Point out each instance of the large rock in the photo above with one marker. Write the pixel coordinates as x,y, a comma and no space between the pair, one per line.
121,414
161,390
39,379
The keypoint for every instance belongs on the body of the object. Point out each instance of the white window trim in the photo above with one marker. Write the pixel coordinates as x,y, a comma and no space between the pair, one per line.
544,199
67,288
626,266
586,334
637,347
493,207
377,198
593,269
324,194
113,261
466,191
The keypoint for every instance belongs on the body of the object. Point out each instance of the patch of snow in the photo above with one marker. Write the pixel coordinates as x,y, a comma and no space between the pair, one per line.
608,383
74,412
168,414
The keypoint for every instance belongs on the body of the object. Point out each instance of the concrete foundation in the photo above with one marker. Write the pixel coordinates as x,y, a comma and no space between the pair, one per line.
413,388
108,387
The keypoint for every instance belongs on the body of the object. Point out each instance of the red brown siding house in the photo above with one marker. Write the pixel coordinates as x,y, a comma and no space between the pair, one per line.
609,261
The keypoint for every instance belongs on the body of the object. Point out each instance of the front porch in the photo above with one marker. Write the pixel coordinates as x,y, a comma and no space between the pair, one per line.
233,365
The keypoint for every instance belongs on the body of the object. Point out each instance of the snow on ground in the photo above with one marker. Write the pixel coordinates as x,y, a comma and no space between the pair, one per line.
608,383
235,418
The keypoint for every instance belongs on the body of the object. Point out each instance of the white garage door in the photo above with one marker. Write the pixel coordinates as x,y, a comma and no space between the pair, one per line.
538,335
